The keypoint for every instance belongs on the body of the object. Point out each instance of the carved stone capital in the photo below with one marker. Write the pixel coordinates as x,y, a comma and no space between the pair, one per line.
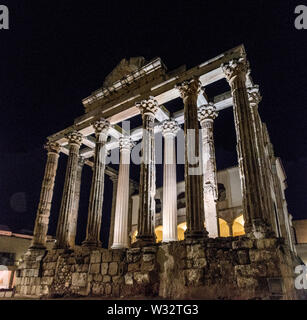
125,143
52,147
81,161
189,88
207,112
148,107
254,96
101,126
234,68
74,137
170,126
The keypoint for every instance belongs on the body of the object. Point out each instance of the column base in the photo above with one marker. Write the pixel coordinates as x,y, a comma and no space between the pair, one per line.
91,244
194,235
258,229
143,241
119,246
37,246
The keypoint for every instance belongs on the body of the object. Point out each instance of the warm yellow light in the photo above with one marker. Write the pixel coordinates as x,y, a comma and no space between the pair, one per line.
159,233
224,229
238,226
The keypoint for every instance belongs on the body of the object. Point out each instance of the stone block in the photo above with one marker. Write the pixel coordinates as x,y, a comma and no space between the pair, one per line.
243,257
148,266
134,266
118,255
195,251
79,279
266,243
200,263
141,277
84,268
106,255
113,268
47,280
95,257
106,278
71,260
129,278
247,283
97,277
194,276
104,268
133,255
95,268
257,255
117,279
98,289
108,289
243,244
147,257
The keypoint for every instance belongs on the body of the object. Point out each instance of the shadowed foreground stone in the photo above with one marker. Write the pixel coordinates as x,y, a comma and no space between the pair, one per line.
221,268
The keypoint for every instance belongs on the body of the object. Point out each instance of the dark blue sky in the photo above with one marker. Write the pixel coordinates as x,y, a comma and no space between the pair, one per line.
57,52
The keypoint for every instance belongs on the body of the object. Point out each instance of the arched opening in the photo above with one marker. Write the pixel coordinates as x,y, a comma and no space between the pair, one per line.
181,228
159,233
238,226
224,229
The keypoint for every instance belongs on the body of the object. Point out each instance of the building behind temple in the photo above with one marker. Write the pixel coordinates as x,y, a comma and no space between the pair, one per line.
225,234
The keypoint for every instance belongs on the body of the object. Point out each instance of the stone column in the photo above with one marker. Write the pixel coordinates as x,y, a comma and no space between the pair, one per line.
114,180
193,172
44,206
255,222
67,204
120,239
169,210
132,189
97,188
146,217
74,217
255,98
206,115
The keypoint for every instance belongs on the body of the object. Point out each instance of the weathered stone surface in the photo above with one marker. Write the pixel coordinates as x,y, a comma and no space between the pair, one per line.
173,270
113,268
104,268
106,256
95,268
79,279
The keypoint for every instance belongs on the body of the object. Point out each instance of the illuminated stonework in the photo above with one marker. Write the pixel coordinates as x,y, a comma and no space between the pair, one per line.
166,241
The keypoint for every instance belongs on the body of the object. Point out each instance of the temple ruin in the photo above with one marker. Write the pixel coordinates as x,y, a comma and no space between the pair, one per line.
202,259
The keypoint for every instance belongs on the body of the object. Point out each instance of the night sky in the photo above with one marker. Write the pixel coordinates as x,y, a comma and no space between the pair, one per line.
57,52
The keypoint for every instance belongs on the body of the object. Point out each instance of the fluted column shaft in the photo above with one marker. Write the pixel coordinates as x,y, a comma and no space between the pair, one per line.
114,180
146,217
97,188
253,203
206,116
193,172
74,217
67,204
44,206
169,210
120,239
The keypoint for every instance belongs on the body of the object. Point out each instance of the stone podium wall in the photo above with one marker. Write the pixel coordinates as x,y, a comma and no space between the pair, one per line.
222,268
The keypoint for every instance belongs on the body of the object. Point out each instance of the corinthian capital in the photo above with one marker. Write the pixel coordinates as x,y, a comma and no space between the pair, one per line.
189,87
52,147
101,126
170,126
207,112
125,143
254,96
148,107
234,68
74,137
